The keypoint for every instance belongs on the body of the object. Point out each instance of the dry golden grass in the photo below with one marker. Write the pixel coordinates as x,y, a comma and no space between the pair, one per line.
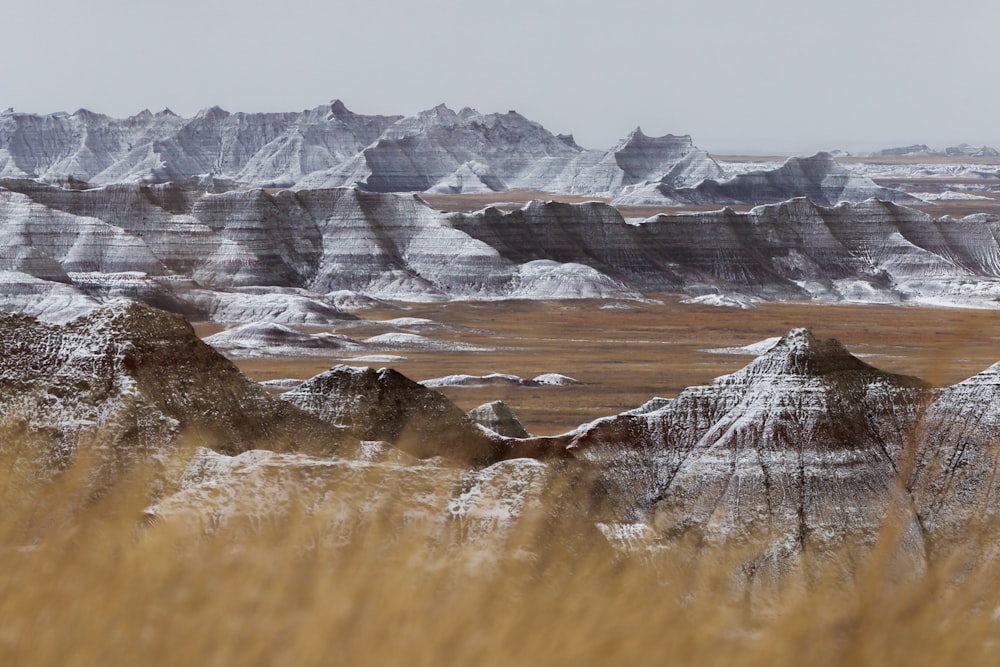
87,583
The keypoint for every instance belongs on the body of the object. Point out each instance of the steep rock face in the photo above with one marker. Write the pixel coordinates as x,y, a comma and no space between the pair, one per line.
259,148
872,251
637,159
394,245
954,477
127,380
417,152
801,447
818,178
251,255
439,150
386,405
642,158
591,234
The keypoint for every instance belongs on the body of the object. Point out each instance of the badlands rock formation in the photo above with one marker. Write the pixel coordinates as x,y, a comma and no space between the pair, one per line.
872,251
802,446
805,450
292,257
499,418
128,381
258,148
475,511
385,405
818,178
438,150
961,150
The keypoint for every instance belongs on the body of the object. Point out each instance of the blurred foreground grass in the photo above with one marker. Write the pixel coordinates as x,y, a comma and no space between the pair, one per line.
86,580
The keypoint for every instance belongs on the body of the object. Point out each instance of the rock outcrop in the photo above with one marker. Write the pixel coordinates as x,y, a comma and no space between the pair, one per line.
818,178
805,450
386,405
499,418
257,148
438,150
484,516
128,381
296,257
954,477
802,447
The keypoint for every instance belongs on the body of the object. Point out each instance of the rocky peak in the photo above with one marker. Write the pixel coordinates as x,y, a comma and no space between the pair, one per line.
212,113
128,378
339,109
800,353
386,405
644,158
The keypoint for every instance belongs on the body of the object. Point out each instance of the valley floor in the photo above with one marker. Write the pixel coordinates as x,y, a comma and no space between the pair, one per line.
625,353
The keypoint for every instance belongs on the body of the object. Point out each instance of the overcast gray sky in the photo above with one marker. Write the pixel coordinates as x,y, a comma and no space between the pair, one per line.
786,75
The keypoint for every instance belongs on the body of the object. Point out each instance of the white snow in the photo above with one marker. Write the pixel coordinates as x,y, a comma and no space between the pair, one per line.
753,349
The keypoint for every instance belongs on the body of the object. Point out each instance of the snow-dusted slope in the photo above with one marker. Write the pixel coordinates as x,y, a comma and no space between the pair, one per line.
438,150
178,243
257,148
128,381
818,178
954,476
386,405
244,256
801,448
471,513
807,448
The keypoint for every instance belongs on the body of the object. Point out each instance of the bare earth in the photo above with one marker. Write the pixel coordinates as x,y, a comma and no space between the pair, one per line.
626,356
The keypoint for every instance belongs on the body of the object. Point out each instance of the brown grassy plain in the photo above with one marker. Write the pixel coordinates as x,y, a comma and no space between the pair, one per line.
626,356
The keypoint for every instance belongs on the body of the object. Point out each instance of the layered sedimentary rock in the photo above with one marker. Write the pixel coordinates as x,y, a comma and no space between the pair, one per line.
438,150
128,381
818,178
289,257
258,148
801,448
954,468
872,251
275,257
385,405
804,451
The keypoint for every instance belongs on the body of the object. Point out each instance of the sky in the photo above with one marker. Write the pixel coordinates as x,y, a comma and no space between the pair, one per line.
787,76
